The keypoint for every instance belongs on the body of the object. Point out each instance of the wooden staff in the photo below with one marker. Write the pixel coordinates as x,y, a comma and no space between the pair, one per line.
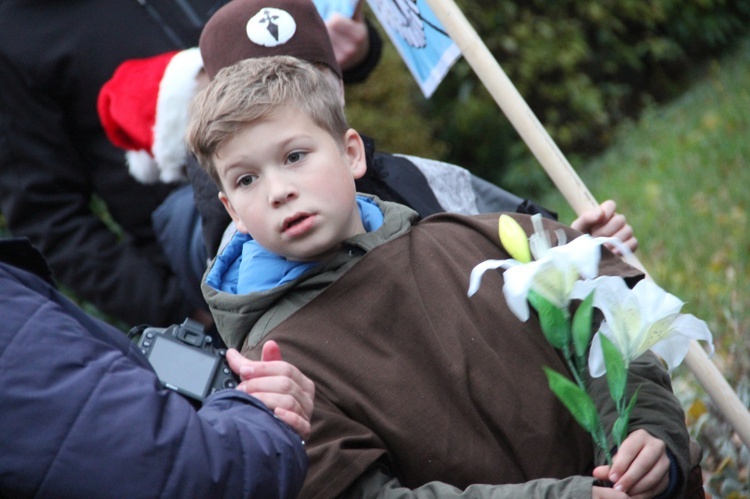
570,184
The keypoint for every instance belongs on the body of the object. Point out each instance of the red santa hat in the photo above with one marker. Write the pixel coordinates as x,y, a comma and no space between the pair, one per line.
144,110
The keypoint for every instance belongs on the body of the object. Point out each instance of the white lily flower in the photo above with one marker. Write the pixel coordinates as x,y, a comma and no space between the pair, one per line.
639,319
553,273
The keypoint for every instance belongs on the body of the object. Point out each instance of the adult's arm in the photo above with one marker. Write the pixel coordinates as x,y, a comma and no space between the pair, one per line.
49,171
90,417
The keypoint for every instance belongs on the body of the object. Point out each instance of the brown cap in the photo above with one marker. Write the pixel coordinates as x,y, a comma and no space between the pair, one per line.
243,29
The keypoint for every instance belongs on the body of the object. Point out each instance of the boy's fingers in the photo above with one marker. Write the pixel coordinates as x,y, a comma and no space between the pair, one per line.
608,208
587,220
640,462
654,482
601,473
626,454
649,473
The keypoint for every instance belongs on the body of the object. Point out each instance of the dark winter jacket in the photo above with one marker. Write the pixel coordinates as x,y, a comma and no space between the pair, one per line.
82,414
54,156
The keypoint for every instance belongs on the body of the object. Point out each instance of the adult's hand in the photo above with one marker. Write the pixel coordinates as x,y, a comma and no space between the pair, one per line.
278,384
350,39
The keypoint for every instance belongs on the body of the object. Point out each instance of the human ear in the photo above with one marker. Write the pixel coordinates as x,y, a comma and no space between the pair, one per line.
230,209
354,148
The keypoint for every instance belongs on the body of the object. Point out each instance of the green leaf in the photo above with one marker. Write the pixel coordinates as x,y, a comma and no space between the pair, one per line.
554,322
620,428
576,400
582,325
616,373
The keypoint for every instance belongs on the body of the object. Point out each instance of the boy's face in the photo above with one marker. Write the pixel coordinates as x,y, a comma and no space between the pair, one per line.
288,184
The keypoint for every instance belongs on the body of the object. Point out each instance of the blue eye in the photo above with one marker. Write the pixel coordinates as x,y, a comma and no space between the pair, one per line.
246,180
295,156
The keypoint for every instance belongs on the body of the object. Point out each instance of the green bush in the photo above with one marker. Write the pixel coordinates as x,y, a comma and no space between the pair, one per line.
582,66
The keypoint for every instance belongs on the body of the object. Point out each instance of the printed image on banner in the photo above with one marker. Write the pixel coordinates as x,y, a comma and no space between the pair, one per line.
327,7
414,30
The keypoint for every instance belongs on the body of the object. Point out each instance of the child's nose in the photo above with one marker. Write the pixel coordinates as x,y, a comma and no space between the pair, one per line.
280,190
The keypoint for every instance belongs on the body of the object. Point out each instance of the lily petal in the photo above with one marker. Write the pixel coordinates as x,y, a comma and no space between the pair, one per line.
596,357
475,279
674,349
518,280
656,302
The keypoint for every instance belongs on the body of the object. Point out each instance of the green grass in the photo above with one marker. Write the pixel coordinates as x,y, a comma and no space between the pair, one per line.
681,175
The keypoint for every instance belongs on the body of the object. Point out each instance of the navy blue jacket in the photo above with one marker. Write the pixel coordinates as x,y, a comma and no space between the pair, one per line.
82,414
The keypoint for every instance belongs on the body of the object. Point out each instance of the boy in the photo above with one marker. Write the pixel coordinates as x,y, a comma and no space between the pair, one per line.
419,391
235,32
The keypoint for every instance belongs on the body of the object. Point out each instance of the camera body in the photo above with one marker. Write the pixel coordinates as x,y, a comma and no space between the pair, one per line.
186,360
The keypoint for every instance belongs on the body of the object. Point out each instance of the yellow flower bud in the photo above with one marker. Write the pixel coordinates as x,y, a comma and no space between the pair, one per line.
514,239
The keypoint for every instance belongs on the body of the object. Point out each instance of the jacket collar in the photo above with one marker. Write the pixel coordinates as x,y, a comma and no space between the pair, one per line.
236,314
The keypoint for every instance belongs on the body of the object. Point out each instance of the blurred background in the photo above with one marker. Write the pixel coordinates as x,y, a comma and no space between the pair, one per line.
649,100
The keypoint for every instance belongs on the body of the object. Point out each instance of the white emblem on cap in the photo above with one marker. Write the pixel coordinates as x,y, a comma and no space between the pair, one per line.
271,27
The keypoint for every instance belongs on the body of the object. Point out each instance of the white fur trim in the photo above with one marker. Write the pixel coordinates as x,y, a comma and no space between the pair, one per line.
177,88
142,166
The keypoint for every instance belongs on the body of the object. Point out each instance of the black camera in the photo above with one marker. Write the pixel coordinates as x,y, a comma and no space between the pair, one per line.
186,360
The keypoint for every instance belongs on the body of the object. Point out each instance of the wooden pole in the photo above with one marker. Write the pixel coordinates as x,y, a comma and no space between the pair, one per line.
570,184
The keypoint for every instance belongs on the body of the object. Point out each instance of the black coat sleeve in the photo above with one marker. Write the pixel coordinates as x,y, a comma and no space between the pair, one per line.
51,164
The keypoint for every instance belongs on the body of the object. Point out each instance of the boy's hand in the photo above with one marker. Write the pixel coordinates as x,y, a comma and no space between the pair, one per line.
278,384
640,468
604,221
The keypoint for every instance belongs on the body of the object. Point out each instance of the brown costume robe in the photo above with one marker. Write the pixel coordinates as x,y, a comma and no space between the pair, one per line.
412,373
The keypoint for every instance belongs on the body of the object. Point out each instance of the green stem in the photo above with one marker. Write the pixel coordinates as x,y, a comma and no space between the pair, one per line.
600,435
573,368
602,443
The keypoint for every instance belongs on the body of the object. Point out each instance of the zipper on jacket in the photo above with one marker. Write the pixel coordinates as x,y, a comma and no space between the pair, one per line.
355,251
171,34
190,13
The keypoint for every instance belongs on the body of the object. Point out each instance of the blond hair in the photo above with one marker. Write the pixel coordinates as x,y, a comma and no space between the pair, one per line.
252,90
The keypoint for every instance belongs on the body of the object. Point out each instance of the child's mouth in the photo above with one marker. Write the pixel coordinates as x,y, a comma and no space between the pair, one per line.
298,224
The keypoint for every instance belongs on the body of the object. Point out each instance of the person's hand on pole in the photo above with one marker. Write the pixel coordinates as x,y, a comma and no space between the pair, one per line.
604,221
